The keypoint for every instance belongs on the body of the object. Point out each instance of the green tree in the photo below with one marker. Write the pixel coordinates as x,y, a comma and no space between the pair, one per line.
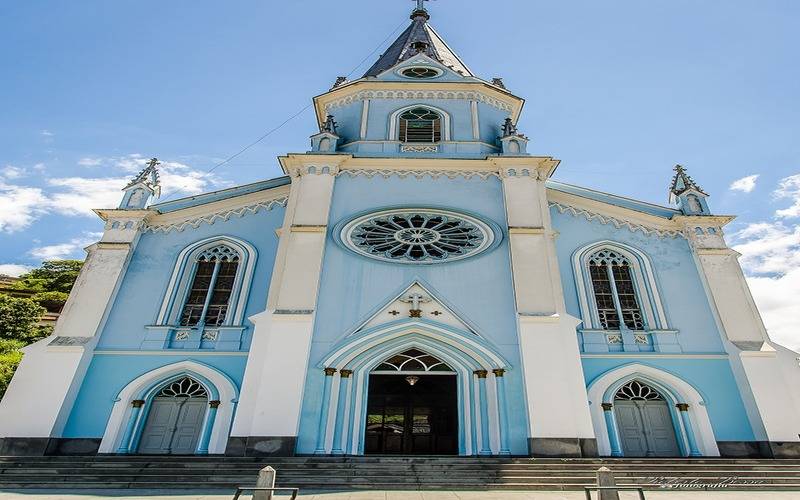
18,327
10,357
19,318
52,276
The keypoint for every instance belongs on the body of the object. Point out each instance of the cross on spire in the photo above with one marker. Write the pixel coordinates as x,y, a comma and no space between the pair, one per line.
420,4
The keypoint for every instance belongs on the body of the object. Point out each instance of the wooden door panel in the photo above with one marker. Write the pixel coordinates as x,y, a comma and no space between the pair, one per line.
157,431
631,429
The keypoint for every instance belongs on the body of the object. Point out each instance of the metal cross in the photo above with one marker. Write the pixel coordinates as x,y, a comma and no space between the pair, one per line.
415,299
420,4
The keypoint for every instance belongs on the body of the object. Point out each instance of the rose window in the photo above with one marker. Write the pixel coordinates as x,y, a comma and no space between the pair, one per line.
417,236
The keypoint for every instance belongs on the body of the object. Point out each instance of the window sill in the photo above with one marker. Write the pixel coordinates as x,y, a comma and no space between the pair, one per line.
220,338
599,341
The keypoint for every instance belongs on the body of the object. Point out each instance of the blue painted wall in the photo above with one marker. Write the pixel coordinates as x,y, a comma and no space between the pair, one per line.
108,374
480,288
152,264
711,377
348,118
139,300
685,302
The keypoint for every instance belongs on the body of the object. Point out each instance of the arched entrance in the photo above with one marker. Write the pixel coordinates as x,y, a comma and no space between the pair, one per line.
175,419
644,422
412,406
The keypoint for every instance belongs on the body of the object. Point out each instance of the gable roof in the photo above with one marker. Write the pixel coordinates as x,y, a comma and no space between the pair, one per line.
419,33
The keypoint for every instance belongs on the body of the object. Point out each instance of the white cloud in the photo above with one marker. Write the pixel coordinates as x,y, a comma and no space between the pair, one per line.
745,184
20,206
46,133
777,299
771,260
90,162
78,195
11,172
789,187
72,248
14,269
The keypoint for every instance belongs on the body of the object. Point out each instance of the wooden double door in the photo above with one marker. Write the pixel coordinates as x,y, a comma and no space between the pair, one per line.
405,419
173,425
646,429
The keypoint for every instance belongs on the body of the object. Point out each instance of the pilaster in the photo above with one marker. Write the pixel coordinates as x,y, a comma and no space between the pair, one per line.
559,419
269,406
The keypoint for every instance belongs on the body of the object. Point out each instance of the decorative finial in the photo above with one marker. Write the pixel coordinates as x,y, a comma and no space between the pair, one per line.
683,182
339,81
145,185
684,192
329,125
148,176
498,82
509,128
420,11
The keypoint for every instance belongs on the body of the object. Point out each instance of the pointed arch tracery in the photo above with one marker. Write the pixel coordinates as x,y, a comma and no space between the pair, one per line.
617,286
209,284
183,379
636,380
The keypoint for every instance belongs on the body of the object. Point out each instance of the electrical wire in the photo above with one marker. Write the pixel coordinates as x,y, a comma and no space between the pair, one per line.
283,123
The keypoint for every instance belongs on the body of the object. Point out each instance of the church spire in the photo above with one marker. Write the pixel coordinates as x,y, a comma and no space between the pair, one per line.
419,38
684,192
143,187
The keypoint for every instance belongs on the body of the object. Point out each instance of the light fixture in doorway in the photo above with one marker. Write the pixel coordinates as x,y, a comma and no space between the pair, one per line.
412,379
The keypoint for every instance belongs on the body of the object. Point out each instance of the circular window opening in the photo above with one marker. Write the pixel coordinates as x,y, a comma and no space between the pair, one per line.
417,236
420,72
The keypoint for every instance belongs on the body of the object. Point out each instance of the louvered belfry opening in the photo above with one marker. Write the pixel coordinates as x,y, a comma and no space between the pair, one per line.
420,125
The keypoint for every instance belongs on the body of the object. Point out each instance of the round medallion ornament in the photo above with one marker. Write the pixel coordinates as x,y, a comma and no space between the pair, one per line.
417,236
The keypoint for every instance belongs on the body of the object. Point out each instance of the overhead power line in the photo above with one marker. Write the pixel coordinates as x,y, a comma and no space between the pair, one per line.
284,122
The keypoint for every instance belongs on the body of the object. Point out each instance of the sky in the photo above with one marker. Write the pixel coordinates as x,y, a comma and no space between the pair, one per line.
620,91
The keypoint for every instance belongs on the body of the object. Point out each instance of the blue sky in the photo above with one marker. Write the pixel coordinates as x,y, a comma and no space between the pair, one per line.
620,91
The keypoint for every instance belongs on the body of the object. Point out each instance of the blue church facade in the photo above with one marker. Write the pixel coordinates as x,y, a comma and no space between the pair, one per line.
417,283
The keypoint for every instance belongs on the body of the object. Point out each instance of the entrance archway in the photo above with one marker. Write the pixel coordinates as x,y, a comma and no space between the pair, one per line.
175,419
412,406
644,422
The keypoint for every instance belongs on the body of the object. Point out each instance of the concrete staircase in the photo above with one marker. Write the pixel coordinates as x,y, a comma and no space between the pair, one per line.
409,473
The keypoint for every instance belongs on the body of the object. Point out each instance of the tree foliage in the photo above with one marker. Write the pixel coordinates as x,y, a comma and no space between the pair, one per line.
19,317
52,276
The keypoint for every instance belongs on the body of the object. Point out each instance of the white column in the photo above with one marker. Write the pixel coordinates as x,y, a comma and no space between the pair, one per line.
40,398
556,393
271,395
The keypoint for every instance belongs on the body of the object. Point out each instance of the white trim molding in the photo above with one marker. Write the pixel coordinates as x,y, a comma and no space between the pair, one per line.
616,222
222,215
419,94
144,387
675,390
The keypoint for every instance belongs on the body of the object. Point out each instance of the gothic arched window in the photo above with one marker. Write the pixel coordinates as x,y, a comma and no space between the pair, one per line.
210,291
420,125
614,291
